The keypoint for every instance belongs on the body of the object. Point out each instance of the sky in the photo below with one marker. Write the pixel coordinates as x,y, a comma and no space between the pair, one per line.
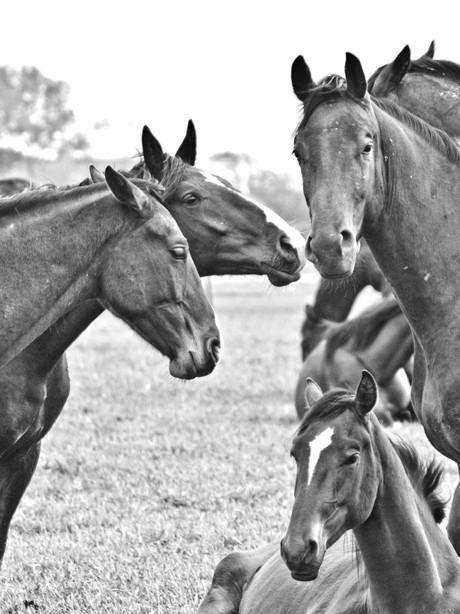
226,65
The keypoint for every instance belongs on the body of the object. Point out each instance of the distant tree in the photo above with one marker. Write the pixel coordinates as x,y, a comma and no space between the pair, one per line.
34,112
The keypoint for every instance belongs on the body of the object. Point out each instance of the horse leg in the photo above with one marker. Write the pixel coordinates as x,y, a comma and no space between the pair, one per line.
15,475
231,577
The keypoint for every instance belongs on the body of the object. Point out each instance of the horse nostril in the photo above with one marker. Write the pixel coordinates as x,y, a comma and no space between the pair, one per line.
213,347
348,238
286,248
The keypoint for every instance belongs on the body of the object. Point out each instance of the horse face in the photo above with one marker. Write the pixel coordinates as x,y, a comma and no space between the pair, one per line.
336,152
151,282
335,490
231,234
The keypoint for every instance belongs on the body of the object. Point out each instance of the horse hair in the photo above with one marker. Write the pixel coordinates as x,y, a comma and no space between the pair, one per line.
424,65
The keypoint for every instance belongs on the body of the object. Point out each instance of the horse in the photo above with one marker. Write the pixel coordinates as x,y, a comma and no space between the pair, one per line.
14,185
372,169
427,87
380,340
351,476
334,301
227,233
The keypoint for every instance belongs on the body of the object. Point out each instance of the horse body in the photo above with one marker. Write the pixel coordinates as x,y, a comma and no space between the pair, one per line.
396,181
380,340
226,232
350,476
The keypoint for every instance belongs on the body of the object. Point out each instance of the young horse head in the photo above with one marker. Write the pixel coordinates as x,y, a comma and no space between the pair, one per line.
235,235
351,476
114,242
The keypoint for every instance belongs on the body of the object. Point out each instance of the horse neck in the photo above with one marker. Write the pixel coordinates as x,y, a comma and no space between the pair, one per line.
390,350
64,239
405,553
416,215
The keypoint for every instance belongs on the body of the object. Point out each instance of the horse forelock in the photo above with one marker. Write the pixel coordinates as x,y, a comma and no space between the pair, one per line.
331,405
425,474
329,89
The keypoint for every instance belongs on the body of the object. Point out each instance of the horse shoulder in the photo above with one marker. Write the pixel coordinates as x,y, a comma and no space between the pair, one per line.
230,578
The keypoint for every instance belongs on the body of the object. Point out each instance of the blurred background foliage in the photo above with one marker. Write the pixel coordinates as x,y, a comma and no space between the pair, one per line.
40,142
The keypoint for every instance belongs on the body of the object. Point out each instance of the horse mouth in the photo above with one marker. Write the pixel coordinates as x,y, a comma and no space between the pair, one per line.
277,277
303,576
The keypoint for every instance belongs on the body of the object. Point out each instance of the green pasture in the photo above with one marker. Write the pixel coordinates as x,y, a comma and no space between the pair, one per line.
145,482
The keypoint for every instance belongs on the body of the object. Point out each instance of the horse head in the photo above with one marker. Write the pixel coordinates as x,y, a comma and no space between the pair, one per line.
336,145
337,474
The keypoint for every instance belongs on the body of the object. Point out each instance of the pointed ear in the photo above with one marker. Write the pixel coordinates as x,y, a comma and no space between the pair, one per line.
313,394
356,81
95,174
429,53
187,149
367,393
301,79
392,75
126,192
153,154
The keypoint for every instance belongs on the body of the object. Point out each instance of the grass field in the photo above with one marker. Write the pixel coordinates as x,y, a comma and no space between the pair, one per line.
146,482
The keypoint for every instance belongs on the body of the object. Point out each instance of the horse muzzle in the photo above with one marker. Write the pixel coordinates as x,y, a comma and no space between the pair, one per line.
303,558
194,363
333,253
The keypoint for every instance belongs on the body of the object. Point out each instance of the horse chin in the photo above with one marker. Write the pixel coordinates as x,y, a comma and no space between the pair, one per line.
279,278
341,271
191,364
305,577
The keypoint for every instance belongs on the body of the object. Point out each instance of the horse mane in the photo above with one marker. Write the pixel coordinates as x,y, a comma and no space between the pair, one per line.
440,140
363,329
46,194
172,172
424,65
425,474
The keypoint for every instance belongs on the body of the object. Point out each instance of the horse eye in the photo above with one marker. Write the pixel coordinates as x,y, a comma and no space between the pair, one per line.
179,253
296,154
368,148
352,460
190,199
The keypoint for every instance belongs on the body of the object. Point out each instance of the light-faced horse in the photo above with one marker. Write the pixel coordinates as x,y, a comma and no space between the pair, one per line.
380,340
372,169
227,233
350,477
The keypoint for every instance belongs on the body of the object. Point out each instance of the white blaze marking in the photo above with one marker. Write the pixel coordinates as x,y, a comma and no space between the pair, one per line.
298,242
319,443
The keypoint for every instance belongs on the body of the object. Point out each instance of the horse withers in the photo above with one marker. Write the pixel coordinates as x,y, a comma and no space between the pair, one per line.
351,476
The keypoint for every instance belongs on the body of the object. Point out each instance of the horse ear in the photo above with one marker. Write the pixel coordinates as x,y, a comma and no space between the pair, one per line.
153,154
313,393
95,174
392,75
430,51
301,79
187,149
356,81
311,314
126,192
367,393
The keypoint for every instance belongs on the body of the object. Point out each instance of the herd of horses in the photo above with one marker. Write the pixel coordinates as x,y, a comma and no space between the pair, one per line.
381,178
